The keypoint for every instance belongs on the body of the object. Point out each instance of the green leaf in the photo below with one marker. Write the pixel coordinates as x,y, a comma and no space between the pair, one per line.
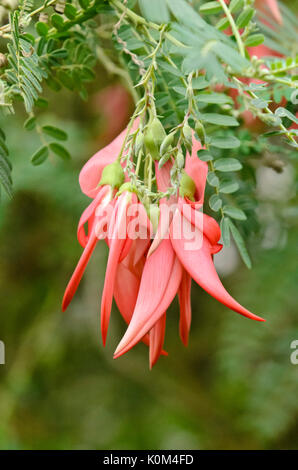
254,40
227,164
199,83
282,112
222,24
245,17
225,231
41,103
228,142
240,244
216,98
204,155
60,151
57,21
220,119
66,79
259,103
84,4
215,202
54,132
59,54
40,156
210,8
155,10
236,5
234,212
70,11
229,187
212,179
30,123
41,28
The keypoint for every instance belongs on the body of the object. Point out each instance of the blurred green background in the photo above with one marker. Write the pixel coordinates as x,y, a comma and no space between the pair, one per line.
234,387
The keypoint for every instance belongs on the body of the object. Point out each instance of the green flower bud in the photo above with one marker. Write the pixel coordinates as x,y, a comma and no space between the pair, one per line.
154,137
164,160
199,128
139,142
187,134
187,186
166,143
113,175
180,160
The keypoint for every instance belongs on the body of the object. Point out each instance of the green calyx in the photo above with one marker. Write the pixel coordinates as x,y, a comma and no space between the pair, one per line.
153,214
113,175
187,186
154,137
128,187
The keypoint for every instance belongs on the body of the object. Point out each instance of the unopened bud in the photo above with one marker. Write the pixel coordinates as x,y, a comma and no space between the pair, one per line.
166,143
180,160
199,128
187,134
139,142
154,137
187,186
113,175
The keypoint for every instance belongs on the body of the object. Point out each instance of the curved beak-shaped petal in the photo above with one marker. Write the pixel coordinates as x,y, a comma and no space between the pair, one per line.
79,271
156,338
117,242
199,264
157,289
185,306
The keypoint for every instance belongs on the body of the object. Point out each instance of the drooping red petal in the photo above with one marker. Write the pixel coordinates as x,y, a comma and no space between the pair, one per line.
91,172
78,272
87,214
156,338
160,282
200,266
116,244
185,306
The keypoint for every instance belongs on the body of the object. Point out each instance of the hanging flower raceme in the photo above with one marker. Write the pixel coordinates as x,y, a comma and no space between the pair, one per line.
187,253
149,263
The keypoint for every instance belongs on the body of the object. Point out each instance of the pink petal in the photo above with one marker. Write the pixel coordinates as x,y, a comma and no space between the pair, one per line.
199,265
78,272
157,336
91,172
116,246
203,222
185,306
198,171
163,178
87,214
269,6
126,289
157,290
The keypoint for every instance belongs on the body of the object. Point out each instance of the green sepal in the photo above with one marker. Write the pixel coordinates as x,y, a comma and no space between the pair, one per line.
187,186
113,175
154,137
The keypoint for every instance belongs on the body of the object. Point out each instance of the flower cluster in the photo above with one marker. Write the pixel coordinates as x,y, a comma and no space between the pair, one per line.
155,250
